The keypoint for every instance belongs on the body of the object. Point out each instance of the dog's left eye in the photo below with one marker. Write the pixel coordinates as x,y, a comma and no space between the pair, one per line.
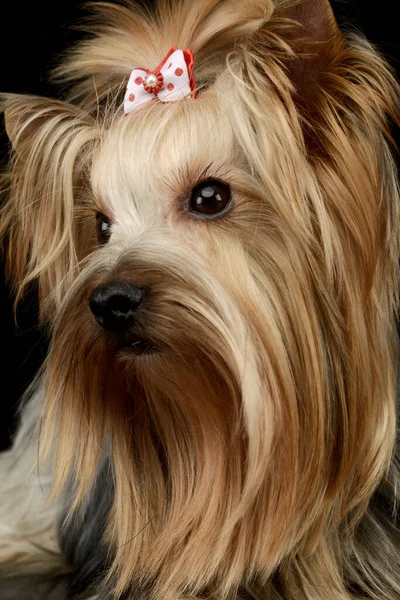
103,226
210,198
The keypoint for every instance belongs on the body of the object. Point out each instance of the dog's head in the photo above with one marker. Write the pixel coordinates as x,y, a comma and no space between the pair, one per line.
220,274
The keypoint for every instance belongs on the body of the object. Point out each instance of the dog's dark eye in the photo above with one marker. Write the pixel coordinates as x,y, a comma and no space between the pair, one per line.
103,226
210,198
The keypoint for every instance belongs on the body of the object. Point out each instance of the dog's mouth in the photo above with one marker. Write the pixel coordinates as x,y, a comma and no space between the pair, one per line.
137,345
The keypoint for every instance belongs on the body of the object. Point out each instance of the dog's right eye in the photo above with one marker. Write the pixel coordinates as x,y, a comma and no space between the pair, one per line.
103,228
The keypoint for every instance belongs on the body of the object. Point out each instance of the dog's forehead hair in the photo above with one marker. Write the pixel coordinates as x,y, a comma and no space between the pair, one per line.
149,157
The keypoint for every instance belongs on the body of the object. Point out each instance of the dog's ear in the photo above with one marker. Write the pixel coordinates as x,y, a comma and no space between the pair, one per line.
301,53
51,143
21,121
301,41
307,30
315,41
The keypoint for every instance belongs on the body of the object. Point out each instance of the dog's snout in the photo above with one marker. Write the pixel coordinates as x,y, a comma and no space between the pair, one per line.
115,304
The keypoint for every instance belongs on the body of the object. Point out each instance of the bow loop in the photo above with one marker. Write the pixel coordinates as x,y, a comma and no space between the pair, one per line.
171,81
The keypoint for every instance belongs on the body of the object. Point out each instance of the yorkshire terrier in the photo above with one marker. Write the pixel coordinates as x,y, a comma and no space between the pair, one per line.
212,219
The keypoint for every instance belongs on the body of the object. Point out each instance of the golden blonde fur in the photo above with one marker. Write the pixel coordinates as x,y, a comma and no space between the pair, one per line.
246,454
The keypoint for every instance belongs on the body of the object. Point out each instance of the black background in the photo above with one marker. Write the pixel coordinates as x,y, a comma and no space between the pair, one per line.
32,36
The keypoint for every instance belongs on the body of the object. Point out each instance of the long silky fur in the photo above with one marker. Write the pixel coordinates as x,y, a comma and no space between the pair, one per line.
255,456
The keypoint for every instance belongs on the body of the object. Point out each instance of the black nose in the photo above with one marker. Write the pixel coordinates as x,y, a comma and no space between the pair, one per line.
114,305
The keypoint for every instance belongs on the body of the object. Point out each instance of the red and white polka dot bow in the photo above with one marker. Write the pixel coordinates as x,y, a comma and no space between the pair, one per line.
171,81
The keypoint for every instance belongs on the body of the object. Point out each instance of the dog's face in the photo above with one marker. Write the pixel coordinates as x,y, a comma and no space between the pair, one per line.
228,320
170,194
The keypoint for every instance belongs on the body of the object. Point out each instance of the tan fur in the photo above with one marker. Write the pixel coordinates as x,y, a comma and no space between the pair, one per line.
249,449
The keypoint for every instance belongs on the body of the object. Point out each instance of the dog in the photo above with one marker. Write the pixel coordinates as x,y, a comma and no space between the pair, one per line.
211,216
